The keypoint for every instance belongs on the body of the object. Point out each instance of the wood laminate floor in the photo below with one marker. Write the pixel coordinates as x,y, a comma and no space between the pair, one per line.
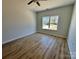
37,46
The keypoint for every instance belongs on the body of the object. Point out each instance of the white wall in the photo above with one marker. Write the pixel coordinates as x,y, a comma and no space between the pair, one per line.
18,21
64,20
72,36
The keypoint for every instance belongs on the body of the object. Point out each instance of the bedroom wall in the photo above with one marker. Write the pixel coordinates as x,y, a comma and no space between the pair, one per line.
72,35
17,20
64,13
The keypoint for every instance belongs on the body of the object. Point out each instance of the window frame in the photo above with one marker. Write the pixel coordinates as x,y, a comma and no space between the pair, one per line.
49,22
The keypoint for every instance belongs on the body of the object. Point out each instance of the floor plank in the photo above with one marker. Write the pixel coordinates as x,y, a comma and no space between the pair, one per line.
37,46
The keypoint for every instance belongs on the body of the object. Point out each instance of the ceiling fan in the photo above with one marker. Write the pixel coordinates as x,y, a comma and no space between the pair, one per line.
35,2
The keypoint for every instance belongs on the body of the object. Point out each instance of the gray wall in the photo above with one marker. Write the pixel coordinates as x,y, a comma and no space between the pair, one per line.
72,36
64,20
18,21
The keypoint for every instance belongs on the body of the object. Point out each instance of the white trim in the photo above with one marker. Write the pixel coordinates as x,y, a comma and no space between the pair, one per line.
62,36
16,38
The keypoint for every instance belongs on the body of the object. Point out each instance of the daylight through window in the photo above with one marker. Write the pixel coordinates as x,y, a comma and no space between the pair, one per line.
50,22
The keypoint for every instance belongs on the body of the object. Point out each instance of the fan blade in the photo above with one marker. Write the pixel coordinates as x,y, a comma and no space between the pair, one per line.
30,2
38,3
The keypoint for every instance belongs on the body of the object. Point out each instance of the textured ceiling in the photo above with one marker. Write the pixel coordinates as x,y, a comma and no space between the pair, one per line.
48,4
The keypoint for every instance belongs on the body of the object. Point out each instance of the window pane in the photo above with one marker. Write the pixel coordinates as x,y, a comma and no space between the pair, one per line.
45,22
53,22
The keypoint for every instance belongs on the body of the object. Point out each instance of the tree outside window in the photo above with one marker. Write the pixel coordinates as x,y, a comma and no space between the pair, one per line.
50,22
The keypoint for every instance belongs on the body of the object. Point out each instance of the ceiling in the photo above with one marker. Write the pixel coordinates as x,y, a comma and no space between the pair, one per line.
48,4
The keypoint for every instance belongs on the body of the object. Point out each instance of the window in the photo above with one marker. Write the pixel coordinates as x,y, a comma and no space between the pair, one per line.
50,22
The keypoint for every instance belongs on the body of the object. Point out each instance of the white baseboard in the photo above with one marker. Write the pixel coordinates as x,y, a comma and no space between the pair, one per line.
16,38
62,36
